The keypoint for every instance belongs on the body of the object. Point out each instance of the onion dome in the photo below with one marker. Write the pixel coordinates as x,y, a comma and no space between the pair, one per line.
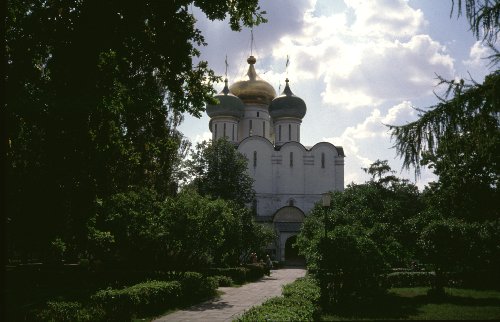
287,105
229,105
254,90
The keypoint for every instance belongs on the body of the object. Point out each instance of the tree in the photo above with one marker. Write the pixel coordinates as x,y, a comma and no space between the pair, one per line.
448,244
220,171
459,137
483,16
95,93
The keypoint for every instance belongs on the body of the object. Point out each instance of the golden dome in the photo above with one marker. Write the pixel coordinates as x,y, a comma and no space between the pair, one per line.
254,90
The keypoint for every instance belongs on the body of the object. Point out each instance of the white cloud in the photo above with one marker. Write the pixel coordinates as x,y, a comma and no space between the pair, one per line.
379,56
478,55
369,140
205,136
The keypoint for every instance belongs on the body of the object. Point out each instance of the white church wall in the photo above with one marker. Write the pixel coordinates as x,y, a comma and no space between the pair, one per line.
255,122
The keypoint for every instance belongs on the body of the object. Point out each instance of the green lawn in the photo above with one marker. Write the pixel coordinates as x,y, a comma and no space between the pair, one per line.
414,304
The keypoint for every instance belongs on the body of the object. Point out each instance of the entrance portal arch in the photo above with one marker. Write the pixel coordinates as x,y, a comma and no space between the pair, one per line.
292,256
288,222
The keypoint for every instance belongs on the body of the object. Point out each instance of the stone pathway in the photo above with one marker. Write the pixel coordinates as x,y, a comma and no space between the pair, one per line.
236,300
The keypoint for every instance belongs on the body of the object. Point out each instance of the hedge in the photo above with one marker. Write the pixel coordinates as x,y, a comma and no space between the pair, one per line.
196,286
143,299
255,271
237,274
410,279
300,302
62,311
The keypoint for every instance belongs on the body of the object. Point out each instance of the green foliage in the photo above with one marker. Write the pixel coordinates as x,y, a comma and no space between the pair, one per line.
350,265
69,312
184,232
255,271
224,280
144,298
483,16
197,286
410,279
220,171
237,274
384,207
96,92
298,303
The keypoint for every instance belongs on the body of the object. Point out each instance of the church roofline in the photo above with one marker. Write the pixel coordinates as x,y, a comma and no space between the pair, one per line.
261,138
339,149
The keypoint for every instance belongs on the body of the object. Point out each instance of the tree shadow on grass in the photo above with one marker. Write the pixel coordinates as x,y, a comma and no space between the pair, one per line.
388,306
393,306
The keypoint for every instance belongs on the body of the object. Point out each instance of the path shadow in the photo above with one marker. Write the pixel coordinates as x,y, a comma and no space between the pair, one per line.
212,305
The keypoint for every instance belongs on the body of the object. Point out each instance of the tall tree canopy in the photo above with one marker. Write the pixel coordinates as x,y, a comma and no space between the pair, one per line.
220,171
95,93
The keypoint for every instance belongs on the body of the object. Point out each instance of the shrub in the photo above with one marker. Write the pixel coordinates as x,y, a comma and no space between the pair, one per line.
68,311
224,280
305,287
196,286
237,274
256,271
278,264
298,303
144,298
410,279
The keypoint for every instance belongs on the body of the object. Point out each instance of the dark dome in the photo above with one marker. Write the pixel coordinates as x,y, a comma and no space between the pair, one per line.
229,105
287,105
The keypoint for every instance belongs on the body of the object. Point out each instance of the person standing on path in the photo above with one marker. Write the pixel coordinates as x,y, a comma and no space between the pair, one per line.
236,300
269,265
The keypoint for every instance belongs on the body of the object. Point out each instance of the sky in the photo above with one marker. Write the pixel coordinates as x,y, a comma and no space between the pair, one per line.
358,65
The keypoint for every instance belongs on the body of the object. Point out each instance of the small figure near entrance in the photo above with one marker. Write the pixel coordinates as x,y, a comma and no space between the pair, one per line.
269,265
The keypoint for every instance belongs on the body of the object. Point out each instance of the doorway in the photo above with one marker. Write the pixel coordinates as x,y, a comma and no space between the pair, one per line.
292,256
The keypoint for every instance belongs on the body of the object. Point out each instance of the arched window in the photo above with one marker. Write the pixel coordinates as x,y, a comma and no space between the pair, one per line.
254,158
224,129
322,160
289,132
257,114
232,136
291,159
215,130
291,202
250,129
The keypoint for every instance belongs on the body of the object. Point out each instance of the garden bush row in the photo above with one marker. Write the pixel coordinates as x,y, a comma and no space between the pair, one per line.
300,302
143,299
239,275
410,279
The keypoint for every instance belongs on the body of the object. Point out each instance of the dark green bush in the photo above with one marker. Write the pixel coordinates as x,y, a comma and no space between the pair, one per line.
278,264
68,312
305,287
197,286
237,274
143,299
256,271
298,303
223,280
410,279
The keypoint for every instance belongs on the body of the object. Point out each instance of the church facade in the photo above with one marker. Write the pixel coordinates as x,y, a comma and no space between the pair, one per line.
289,178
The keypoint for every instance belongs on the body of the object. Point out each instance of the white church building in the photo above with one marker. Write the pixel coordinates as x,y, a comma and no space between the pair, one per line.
289,178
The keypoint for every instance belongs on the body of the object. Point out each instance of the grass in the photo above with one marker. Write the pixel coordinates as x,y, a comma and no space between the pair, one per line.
414,304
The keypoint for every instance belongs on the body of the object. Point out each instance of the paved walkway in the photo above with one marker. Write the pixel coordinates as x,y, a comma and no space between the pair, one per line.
236,300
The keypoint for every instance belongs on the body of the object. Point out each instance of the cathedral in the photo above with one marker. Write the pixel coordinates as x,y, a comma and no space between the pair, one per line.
289,178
